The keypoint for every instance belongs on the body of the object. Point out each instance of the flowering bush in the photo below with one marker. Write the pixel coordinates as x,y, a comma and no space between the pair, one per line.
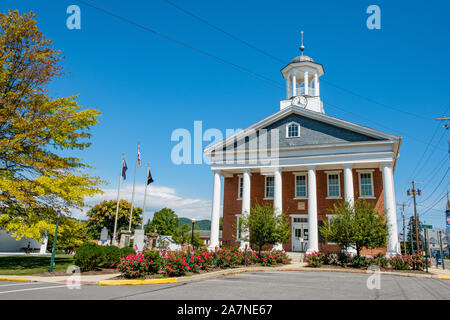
314,259
154,261
380,260
344,259
133,266
175,263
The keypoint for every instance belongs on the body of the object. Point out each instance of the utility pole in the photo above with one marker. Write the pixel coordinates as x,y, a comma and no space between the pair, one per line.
404,234
415,192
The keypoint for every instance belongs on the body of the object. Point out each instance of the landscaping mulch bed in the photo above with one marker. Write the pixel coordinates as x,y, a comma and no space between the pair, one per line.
162,274
87,273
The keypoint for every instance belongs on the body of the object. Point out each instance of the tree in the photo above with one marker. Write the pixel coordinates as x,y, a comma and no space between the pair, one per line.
264,227
104,215
183,235
411,236
359,226
165,222
72,233
36,182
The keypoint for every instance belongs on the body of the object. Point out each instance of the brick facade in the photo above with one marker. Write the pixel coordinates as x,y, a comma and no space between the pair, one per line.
233,206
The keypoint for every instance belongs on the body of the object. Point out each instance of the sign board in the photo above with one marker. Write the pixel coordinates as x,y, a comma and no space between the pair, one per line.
104,235
139,239
425,226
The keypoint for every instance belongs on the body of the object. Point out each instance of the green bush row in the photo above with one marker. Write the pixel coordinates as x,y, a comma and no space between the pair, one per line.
90,256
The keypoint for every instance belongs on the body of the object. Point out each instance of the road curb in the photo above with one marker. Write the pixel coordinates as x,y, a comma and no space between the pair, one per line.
15,279
444,277
135,282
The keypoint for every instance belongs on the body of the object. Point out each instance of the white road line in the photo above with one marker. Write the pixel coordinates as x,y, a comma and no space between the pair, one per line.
30,289
19,284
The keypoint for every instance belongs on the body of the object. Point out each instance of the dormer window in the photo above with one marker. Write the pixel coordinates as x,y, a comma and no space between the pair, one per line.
292,130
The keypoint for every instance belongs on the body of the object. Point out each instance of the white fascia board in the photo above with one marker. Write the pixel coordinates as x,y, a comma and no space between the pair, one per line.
338,159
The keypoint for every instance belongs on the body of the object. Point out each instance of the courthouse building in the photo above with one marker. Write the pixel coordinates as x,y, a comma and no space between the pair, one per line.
302,161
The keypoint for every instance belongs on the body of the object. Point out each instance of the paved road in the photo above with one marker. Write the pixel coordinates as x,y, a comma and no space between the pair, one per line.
268,285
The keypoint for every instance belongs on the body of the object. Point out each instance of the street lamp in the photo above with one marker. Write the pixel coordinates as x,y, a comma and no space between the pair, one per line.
192,236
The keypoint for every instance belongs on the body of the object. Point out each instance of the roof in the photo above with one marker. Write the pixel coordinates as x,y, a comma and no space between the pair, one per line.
206,233
306,113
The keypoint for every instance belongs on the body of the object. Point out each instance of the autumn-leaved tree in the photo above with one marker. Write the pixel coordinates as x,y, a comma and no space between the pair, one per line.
37,182
72,233
104,215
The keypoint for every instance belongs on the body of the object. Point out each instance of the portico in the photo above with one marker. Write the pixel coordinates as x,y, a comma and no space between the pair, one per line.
302,161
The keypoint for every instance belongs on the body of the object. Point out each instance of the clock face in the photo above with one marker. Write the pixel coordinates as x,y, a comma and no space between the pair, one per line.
300,101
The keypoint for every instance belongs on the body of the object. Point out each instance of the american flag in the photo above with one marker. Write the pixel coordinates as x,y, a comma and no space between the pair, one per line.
139,157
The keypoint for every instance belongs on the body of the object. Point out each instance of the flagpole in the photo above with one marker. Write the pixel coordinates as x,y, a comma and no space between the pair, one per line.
118,198
134,186
145,194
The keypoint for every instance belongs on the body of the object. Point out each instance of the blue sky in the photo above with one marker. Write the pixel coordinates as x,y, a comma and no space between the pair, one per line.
146,86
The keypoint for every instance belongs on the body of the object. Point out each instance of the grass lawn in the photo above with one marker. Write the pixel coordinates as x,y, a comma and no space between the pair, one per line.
27,264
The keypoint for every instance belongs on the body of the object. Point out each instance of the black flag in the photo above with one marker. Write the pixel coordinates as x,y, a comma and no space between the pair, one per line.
149,177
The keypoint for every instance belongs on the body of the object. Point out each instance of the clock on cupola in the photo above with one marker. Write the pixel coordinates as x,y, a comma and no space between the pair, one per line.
302,83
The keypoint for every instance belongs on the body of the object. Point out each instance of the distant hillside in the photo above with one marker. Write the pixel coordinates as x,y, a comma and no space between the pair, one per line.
201,224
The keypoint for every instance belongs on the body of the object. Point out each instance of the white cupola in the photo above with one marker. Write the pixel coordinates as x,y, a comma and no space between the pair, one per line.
302,83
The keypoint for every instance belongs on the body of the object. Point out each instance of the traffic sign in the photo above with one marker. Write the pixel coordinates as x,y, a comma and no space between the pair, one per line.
425,226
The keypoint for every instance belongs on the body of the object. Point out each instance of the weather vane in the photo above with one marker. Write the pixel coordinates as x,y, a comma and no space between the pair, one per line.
302,47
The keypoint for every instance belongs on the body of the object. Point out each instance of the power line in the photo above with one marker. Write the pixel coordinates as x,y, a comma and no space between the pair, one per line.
234,37
96,6
445,174
435,204
183,44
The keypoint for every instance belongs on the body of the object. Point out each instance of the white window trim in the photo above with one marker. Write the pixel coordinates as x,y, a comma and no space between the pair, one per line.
328,218
265,187
240,181
338,173
287,129
359,184
295,185
238,236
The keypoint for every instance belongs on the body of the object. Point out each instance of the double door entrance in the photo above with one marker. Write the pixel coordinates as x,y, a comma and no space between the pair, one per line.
299,234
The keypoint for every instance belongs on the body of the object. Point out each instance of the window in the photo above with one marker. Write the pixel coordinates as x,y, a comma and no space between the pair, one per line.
238,233
300,220
300,186
269,187
240,187
365,184
330,218
333,185
293,130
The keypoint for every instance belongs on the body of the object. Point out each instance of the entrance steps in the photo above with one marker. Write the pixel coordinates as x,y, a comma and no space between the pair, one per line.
296,256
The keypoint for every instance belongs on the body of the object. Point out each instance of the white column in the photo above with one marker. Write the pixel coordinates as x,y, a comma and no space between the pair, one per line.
294,84
349,194
245,201
313,236
306,83
288,87
278,199
215,212
316,85
389,206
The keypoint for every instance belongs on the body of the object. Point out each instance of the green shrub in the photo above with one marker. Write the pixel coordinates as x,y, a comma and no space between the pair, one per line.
154,261
88,256
359,262
111,255
380,260
126,251
344,259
